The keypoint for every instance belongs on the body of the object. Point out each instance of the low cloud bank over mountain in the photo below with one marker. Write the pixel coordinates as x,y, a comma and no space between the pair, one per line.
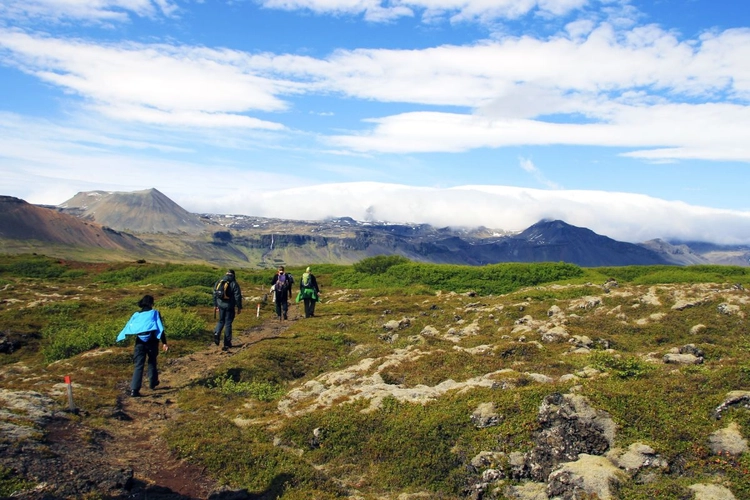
622,216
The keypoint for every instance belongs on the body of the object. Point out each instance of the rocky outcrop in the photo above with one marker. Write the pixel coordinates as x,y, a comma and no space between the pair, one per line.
485,415
712,492
727,441
734,399
569,427
587,476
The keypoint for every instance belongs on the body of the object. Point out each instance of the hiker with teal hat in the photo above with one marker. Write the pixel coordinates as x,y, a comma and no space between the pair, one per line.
309,292
148,328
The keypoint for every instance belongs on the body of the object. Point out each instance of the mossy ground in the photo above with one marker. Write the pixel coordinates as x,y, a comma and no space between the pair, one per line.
229,421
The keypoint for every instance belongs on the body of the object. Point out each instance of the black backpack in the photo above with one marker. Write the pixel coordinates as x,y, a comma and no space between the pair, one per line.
222,290
282,282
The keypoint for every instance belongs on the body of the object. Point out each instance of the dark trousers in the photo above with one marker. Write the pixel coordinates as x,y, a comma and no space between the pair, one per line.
226,317
309,307
145,351
282,304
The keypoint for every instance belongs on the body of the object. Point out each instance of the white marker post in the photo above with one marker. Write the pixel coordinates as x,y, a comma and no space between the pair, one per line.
257,312
71,406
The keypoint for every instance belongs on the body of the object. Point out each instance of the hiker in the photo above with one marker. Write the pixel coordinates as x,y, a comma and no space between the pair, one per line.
309,292
227,297
281,285
148,328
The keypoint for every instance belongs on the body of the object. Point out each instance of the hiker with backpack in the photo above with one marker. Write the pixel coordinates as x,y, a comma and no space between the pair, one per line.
227,297
309,292
282,289
148,328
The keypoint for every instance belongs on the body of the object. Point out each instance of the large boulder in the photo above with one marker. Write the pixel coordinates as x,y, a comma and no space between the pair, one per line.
569,427
589,476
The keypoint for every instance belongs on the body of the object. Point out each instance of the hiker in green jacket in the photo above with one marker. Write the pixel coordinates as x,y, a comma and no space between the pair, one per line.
309,292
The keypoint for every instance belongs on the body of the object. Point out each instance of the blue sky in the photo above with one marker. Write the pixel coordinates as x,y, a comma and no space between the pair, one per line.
631,118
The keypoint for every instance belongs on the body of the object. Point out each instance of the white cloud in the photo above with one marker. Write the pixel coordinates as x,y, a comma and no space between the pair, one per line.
605,62
528,166
432,10
181,118
622,216
707,131
44,162
641,88
86,10
154,83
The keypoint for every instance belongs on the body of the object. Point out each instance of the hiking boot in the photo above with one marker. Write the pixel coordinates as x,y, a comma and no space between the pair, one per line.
135,394
154,385
216,338
285,316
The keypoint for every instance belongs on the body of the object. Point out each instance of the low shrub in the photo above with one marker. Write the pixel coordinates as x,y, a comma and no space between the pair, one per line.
260,390
378,264
187,298
647,275
181,324
621,366
61,309
183,279
64,338
31,266
485,280
131,273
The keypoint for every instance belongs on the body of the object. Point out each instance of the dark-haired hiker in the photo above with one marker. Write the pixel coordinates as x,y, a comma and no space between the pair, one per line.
226,309
308,292
282,289
148,328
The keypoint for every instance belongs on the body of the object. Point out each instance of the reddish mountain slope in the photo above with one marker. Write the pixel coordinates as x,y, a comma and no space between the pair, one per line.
20,220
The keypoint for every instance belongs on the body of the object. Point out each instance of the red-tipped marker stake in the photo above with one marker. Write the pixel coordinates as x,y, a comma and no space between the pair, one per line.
71,406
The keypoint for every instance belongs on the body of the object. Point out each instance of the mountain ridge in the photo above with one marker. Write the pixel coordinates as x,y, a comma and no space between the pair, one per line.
167,231
146,211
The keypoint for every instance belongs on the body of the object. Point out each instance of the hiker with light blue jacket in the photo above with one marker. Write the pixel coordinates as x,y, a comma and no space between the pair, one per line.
148,328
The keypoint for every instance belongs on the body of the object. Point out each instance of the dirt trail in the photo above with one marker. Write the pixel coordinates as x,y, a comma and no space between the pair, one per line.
128,458
135,441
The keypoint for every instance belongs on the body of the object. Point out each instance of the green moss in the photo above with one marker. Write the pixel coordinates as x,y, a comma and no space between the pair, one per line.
11,483
246,458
